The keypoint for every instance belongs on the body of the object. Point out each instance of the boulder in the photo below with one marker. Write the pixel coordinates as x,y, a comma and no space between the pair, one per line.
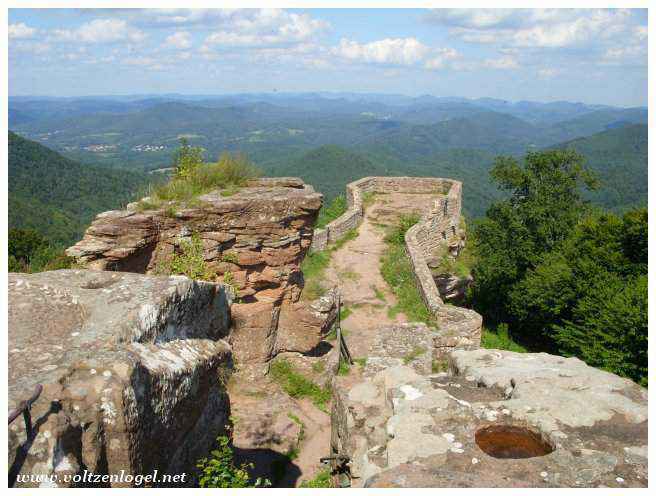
133,369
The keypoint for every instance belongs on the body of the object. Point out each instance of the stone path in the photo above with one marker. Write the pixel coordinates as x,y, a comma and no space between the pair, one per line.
355,269
264,430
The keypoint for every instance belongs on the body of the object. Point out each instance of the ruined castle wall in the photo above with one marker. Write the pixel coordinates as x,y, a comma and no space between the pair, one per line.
356,190
437,232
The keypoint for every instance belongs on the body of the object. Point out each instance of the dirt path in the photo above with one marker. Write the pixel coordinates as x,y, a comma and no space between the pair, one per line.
268,422
355,269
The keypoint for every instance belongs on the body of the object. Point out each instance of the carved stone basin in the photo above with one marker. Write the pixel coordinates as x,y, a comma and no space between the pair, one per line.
508,441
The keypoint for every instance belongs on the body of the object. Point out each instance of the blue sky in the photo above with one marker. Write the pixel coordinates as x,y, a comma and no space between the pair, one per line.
588,55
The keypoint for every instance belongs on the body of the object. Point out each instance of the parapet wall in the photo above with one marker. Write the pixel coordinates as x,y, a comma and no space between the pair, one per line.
437,232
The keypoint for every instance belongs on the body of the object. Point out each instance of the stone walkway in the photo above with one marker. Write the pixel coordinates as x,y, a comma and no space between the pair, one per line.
264,429
355,269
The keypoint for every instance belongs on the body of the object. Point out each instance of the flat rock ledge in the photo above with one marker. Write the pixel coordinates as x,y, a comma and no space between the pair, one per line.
403,427
133,370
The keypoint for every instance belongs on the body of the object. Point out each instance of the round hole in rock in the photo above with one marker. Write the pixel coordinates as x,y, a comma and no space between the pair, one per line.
509,441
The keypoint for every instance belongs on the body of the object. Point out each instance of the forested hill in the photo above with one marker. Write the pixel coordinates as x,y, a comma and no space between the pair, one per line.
59,197
619,159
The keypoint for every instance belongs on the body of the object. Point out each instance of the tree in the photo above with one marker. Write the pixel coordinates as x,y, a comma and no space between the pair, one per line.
609,328
187,159
543,207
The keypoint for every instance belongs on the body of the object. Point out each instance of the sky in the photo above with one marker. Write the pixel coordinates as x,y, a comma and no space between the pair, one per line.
587,55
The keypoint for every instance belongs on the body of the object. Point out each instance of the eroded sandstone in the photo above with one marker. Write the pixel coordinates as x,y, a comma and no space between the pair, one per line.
132,367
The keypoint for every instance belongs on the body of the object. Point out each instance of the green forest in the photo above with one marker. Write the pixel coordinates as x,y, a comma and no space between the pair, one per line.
563,275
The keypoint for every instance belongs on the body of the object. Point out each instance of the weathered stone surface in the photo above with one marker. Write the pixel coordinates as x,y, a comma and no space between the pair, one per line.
303,325
254,239
404,429
131,367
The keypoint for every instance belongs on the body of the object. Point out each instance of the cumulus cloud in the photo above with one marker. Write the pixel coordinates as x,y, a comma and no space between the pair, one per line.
101,31
180,40
395,51
265,27
537,28
21,31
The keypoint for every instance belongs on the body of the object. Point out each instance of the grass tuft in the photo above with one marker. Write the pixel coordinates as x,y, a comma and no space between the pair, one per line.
500,339
397,272
298,386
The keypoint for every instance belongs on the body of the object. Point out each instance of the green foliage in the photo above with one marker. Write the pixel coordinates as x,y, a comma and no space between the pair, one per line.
397,271
345,312
314,266
58,197
438,366
29,251
187,159
564,278
220,471
544,206
228,174
329,213
344,368
415,353
609,329
188,261
321,480
499,339
298,386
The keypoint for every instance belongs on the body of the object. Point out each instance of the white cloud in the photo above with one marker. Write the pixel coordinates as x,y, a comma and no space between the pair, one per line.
33,47
21,31
501,63
266,27
394,51
180,40
101,31
539,28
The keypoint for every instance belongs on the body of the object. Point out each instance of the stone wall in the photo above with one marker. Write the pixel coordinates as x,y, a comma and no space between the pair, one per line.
253,240
133,369
438,231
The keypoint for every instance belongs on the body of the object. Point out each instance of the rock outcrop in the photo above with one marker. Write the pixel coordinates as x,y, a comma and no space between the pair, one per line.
495,419
133,369
253,240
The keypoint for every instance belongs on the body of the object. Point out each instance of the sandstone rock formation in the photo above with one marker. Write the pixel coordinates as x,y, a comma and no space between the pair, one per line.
253,240
403,427
133,369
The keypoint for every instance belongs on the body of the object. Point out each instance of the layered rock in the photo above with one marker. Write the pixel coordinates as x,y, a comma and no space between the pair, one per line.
401,427
253,240
133,370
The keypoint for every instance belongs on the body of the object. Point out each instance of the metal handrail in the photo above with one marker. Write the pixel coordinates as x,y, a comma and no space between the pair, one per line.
24,407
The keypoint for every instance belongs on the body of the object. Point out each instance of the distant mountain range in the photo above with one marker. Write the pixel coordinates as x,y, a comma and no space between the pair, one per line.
329,139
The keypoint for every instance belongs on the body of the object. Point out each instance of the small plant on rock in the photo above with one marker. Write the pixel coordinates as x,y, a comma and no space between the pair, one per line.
220,471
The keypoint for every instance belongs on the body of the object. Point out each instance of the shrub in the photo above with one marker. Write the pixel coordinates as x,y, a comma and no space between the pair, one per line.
321,480
189,262
220,471
194,178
